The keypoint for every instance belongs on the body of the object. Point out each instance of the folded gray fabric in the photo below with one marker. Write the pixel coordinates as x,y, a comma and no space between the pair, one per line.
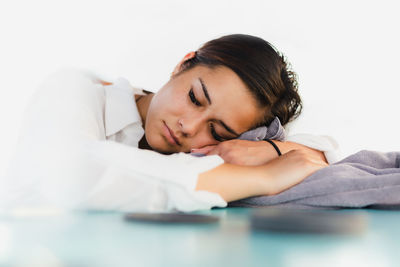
273,131
365,179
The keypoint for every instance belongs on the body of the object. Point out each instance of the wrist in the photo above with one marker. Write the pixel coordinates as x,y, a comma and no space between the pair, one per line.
275,146
266,151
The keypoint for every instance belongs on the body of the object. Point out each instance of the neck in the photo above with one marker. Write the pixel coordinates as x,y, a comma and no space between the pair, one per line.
142,103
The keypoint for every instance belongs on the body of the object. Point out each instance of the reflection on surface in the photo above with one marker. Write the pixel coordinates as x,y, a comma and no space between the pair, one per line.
106,239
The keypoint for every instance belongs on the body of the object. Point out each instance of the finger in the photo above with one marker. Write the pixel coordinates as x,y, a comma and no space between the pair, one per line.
203,150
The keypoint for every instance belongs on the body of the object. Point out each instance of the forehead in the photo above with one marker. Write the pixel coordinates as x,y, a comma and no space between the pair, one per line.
232,101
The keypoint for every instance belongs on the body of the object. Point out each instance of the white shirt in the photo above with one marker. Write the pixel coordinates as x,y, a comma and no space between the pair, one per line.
79,150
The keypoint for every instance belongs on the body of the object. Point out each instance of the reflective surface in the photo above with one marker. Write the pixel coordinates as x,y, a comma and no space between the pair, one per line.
106,239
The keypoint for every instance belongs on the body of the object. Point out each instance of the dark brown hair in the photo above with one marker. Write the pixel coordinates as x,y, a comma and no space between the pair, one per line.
261,67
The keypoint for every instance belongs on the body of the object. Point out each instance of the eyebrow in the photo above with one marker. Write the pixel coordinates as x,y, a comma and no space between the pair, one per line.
204,87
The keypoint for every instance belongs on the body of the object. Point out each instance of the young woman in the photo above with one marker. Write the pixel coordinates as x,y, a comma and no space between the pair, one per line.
93,144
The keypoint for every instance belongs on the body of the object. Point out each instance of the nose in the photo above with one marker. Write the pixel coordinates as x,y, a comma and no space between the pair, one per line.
190,126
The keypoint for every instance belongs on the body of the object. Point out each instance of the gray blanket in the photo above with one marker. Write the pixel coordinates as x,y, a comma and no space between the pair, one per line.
365,179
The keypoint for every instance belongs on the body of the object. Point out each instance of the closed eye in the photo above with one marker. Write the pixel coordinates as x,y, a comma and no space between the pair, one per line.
214,133
193,98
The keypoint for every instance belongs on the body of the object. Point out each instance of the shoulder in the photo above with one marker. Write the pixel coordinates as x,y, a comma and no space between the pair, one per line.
65,93
70,76
69,83
65,102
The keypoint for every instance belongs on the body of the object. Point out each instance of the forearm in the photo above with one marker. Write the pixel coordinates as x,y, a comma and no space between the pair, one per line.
233,182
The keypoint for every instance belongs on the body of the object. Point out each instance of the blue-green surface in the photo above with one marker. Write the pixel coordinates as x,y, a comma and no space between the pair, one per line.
105,239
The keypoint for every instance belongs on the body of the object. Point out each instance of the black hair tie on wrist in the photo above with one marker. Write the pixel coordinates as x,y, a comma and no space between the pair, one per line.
275,146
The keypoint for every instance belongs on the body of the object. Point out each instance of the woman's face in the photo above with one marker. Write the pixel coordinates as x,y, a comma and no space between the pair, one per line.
199,107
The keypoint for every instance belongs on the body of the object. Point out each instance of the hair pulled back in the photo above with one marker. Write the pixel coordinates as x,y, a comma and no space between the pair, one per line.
261,67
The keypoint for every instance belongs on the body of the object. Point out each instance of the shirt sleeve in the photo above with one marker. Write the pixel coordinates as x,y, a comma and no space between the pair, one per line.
63,161
323,143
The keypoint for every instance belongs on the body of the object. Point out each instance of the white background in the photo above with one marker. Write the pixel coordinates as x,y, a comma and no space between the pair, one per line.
346,54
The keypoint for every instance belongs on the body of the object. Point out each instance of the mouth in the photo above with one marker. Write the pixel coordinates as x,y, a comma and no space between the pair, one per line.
171,138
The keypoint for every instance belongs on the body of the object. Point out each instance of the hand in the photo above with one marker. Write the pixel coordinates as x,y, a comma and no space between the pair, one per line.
290,169
241,152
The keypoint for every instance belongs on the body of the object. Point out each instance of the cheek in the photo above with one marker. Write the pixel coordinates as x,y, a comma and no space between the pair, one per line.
152,131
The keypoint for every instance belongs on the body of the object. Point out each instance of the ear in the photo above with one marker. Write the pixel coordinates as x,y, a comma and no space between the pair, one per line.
187,57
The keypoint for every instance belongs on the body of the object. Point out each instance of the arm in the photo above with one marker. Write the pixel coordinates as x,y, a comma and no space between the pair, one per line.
234,182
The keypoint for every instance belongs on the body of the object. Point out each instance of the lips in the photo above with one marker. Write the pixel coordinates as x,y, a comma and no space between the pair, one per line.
171,138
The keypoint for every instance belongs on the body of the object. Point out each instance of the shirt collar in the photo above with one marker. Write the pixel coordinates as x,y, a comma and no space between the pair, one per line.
120,106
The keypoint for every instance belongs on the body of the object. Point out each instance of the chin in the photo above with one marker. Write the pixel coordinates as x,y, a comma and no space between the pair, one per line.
157,143
165,149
